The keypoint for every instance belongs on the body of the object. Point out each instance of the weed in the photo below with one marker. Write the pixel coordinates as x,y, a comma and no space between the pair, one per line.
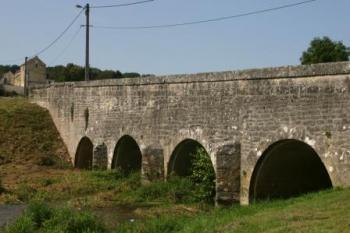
168,224
39,217
24,224
25,192
46,161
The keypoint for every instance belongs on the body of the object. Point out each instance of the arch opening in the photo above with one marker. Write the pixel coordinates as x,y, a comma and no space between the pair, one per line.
192,161
288,168
181,162
84,154
127,156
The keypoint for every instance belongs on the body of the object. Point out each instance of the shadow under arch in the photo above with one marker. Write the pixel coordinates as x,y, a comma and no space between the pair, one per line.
288,168
180,163
84,154
127,155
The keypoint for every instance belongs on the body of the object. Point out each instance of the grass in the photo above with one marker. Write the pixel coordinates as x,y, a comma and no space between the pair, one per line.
40,218
27,133
30,148
326,211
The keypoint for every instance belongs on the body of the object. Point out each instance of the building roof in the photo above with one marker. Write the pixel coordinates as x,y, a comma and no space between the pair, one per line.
34,59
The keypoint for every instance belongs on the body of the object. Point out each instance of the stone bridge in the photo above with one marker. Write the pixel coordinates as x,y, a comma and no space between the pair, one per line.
272,132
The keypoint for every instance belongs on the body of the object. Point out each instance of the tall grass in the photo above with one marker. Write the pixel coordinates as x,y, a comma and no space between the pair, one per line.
27,133
40,218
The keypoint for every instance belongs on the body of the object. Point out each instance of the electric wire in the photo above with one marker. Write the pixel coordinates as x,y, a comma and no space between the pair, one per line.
75,35
206,20
122,4
60,35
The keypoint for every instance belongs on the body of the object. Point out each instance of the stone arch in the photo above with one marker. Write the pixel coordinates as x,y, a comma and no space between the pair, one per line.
84,154
100,157
288,168
180,160
181,164
127,155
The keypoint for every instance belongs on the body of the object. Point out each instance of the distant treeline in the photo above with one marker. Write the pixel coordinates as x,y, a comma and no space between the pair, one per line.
72,72
6,68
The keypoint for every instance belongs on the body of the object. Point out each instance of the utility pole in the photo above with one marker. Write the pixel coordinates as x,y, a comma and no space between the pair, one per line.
87,40
87,48
25,77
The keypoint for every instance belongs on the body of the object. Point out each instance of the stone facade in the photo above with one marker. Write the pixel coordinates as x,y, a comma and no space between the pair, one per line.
36,74
235,116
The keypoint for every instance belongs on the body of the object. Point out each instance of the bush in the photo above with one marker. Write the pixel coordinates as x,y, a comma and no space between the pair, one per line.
202,176
23,224
39,217
46,161
39,213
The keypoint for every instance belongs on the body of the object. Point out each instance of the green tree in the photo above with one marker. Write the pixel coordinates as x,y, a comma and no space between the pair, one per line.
73,72
202,176
323,50
6,68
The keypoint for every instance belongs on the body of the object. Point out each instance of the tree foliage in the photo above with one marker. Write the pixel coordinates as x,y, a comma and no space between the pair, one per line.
6,68
72,72
202,176
322,50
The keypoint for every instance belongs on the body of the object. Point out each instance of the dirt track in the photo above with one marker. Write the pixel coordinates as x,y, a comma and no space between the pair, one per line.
9,213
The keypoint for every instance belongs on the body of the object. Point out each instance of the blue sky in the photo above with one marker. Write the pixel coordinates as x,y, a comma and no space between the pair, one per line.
271,39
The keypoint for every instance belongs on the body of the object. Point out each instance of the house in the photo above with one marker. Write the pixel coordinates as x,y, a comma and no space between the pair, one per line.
36,71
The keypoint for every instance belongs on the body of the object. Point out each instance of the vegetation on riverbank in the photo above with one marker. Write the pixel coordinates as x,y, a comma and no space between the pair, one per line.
327,211
39,217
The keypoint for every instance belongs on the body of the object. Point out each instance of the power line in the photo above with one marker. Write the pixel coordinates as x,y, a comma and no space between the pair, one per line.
123,4
60,35
206,20
67,46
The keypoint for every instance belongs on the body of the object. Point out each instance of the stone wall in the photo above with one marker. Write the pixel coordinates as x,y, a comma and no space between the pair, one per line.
10,89
236,116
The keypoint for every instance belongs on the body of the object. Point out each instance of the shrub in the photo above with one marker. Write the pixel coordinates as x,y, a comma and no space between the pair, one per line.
39,217
202,176
24,224
39,213
46,161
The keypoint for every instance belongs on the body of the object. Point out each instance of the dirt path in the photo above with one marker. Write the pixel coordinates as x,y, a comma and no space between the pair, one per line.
9,213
